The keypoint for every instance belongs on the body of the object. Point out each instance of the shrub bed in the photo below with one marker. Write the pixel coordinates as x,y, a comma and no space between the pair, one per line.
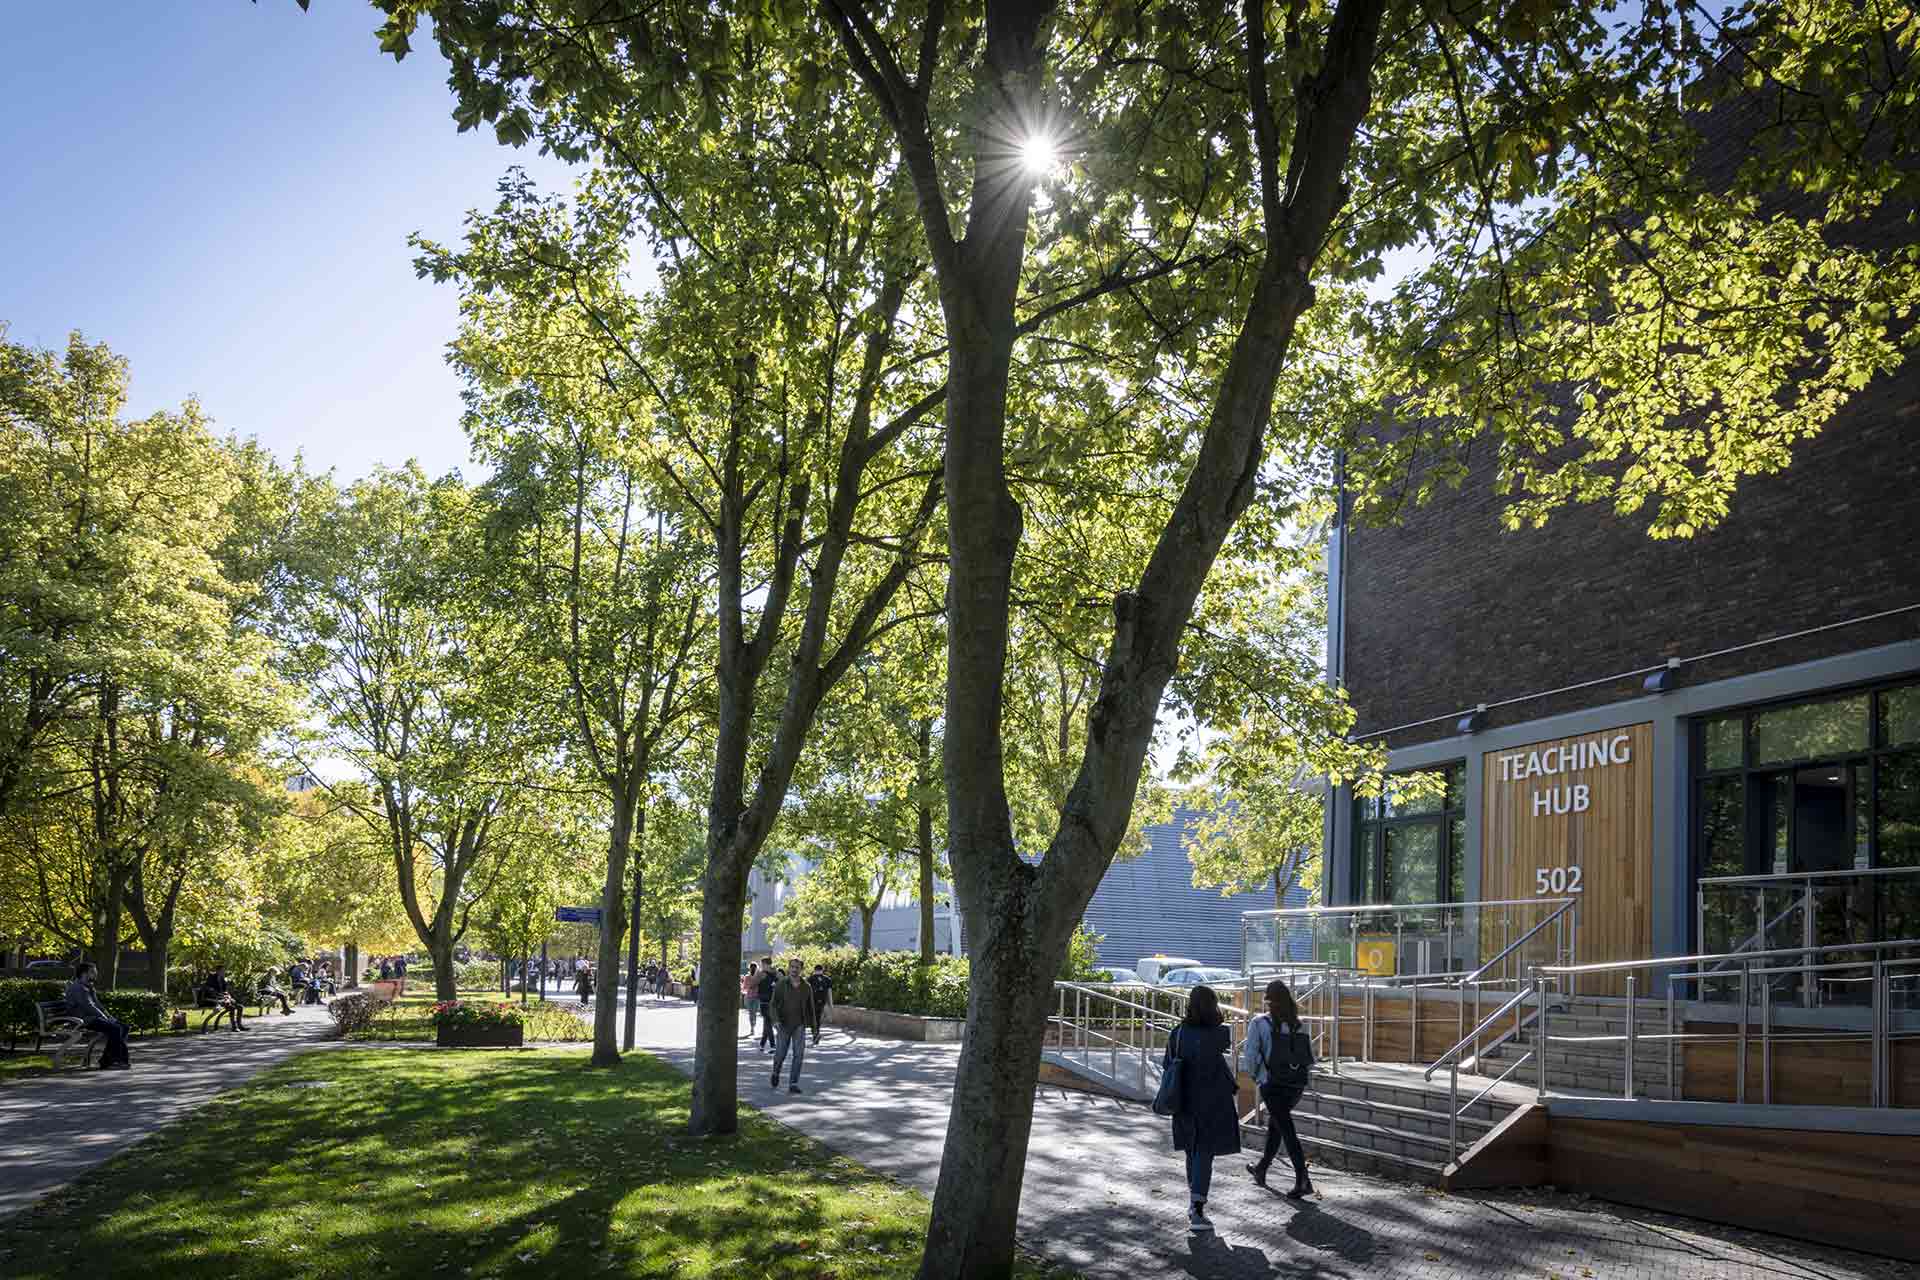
140,1010
894,981
354,1013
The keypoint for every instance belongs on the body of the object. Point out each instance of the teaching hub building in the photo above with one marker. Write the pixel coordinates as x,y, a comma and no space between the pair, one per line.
1664,729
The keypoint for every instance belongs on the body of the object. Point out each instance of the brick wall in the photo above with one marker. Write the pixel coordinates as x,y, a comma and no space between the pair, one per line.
1447,609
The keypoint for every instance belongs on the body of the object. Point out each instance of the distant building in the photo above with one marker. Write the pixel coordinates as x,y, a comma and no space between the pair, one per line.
1144,905
1149,905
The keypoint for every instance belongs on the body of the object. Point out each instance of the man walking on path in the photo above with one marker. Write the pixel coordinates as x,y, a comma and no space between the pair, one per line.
793,1010
822,996
763,991
84,1005
750,996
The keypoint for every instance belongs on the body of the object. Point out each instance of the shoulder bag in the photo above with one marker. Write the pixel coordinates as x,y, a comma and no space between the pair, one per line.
1170,1099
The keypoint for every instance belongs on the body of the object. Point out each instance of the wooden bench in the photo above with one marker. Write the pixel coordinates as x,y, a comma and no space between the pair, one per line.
66,1034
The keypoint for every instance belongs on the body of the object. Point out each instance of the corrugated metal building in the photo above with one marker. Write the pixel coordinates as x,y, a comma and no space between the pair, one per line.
1148,905
1145,905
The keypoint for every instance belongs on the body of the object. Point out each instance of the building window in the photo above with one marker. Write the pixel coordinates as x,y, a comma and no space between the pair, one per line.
1823,784
1410,849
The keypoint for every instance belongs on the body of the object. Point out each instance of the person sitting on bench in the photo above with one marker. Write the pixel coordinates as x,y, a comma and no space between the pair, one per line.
83,1004
302,984
270,991
220,996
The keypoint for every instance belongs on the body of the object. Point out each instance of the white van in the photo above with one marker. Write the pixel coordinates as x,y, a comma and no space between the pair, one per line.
1152,969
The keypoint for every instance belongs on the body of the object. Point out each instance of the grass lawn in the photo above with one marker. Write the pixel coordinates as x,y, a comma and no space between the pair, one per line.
510,1163
408,1017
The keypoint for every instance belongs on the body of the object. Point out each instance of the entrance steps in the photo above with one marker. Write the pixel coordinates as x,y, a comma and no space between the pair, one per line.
1580,1057
1371,1117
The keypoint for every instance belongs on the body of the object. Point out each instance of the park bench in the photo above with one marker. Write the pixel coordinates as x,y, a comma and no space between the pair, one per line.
65,1034
212,1009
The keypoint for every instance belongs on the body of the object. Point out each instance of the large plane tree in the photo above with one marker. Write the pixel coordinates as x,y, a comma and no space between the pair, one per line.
1623,315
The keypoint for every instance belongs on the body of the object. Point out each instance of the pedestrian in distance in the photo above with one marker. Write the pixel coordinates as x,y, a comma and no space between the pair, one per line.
1206,1123
1278,1055
792,1008
763,991
822,996
84,1004
750,996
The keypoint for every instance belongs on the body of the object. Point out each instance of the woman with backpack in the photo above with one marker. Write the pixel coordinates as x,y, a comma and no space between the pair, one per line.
1205,1120
1278,1055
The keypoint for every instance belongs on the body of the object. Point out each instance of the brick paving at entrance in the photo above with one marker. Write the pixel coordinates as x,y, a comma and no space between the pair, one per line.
1105,1194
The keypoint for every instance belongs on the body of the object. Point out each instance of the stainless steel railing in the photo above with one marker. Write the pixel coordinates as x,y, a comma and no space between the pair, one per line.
1808,908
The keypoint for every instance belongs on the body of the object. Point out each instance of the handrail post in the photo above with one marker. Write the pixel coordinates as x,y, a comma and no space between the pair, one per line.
1740,1065
1807,999
1882,1009
1334,1057
1540,1039
1453,1111
1366,1020
1673,1083
1632,1031
1766,1041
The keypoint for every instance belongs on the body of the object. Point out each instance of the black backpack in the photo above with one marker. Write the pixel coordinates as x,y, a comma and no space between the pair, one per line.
1291,1058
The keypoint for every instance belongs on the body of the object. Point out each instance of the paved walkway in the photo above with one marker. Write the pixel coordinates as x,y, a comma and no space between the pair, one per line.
54,1128
1106,1195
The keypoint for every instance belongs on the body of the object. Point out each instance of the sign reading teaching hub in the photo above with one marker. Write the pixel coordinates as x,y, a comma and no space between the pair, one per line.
1556,762
1573,817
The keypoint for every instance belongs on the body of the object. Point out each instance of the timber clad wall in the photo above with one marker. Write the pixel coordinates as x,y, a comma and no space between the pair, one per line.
1855,1189
1813,1074
1606,831
1448,610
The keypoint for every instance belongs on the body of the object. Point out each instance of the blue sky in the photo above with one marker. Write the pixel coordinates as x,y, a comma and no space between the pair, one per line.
222,192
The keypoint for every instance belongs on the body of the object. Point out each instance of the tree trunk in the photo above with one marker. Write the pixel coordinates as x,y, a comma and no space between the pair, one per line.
983,1165
633,943
924,808
157,950
352,975
106,933
716,1049
866,929
613,923
440,947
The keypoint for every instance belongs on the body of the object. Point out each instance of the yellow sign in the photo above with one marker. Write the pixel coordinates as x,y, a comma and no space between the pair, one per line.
1374,956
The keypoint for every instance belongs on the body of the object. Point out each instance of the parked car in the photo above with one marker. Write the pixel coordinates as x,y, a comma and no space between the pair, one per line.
1150,968
1202,975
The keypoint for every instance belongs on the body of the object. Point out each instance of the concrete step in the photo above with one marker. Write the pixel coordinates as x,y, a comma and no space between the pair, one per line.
1413,1094
1371,1135
1419,1120
1597,1060
1334,1154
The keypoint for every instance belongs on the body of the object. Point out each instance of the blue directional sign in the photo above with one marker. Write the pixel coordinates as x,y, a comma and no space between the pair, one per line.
578,915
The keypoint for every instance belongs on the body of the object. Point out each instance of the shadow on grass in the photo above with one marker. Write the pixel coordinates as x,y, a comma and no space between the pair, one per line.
373,1163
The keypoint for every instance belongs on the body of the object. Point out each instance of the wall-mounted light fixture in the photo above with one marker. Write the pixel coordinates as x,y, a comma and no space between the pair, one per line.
1664,679
1474,721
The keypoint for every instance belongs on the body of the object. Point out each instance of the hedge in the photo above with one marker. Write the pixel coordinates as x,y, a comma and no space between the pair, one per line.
355,1011
475,975
140,1010
895,981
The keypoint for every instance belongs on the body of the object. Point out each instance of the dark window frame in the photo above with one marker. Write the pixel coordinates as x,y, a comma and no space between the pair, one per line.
1867,758
1367,852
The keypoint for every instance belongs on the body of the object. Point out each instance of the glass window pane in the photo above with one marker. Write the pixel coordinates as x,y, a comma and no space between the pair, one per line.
1773,799
1810,730
1398,803
1365,877
1413,862
1898,781
1456,797
1723,742
1457,860
1862,817
1723,827
1900,716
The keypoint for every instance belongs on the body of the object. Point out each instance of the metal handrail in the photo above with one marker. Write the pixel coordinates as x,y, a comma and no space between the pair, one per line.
1377,907
1704,881
1668,962
1566,904
1519,997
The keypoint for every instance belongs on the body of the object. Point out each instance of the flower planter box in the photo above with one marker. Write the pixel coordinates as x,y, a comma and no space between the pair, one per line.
896,1026
479,1037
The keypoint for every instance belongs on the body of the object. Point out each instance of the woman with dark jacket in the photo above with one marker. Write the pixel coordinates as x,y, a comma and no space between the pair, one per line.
1207,1123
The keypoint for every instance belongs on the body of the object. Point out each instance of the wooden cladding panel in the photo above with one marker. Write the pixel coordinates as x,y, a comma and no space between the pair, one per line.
1440,1027
1854,1189
1809,1074
1611,841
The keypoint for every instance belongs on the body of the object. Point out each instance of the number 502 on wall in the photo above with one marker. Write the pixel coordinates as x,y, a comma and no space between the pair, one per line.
1556,880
